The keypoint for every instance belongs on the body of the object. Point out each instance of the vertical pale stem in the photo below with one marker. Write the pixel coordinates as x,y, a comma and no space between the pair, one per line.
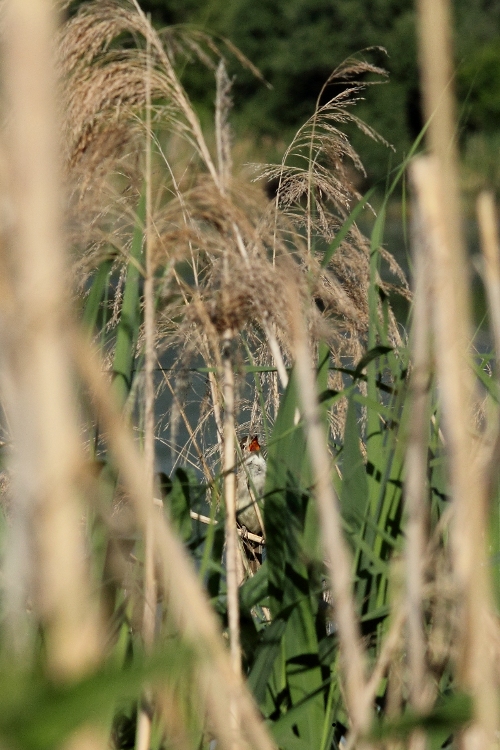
229,453
232,550
439,197
150,594
47,456
467,480
436,71
416,478
276,352
491,253
230,501
216,406
149,393
337,554
416,467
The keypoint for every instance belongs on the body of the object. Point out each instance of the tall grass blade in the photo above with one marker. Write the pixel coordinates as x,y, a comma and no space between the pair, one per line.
345,228
128,327
92,306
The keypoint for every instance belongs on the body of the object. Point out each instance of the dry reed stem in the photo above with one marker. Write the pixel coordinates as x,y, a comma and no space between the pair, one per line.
150,361
275,350
218,685
214,393
222,134
234,556
436,72
47,456
416,495
336,551
416,469
228,467
241,532
438,195
490,247
143,732
468,485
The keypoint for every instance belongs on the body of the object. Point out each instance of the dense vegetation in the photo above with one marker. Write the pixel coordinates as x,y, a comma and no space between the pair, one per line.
137,610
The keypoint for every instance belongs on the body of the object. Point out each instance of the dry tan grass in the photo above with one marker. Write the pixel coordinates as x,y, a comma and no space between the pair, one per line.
205,215
437,184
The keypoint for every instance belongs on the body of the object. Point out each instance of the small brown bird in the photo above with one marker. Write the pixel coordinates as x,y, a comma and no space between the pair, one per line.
250,479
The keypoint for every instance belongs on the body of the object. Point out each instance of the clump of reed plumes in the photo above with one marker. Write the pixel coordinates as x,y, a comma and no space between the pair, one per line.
316,192
229,235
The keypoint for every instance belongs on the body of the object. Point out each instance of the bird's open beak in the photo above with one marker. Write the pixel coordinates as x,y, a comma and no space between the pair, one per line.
254,445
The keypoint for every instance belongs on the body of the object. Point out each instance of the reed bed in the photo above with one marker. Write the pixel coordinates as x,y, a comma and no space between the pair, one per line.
151,293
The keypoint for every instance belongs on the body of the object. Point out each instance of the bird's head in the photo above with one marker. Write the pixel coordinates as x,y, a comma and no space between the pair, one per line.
250,443
254,444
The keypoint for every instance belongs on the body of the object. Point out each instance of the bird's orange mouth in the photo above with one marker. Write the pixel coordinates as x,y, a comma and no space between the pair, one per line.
254,445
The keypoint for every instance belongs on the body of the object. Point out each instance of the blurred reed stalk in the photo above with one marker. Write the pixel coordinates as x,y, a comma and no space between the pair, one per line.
218,685
436,180
416,494
490,247
47,458
334,545
475,668
228,467
234,567
143,733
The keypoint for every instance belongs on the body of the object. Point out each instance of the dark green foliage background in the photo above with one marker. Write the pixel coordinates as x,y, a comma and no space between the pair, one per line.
297,43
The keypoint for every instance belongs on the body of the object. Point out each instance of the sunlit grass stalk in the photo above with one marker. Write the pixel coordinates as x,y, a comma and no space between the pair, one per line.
47,460
475,670
336,551
416,495
228,467
436,73
438,192
143,735
214,393
490,247
234,572
275,350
